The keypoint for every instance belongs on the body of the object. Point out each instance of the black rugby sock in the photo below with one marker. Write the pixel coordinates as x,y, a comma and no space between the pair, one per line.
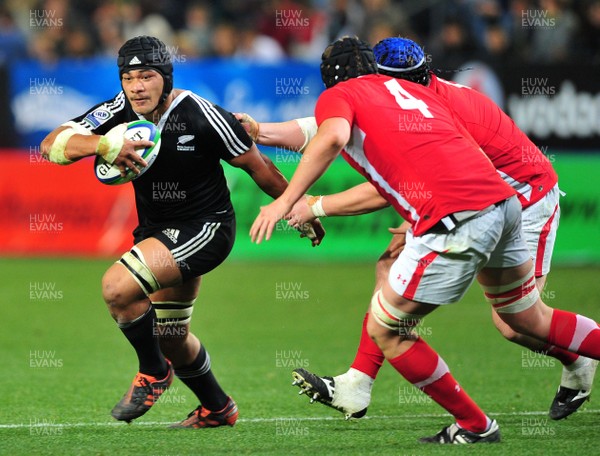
140,334
198,377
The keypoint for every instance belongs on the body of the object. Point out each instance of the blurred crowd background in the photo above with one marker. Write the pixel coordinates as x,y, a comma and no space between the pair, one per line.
531,31
537,59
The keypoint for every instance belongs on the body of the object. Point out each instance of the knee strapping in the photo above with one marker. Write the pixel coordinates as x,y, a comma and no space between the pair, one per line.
390,317
135,263
173,313
514,297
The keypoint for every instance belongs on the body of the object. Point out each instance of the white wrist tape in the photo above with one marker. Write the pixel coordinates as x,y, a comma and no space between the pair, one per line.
111,143
308,125
58,151
316,206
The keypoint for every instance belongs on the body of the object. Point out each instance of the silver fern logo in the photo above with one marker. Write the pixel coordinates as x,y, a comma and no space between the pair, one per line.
182,143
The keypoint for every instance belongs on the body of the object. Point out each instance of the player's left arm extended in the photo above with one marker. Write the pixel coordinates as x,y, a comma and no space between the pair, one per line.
332,136
69,143
360,199
292,134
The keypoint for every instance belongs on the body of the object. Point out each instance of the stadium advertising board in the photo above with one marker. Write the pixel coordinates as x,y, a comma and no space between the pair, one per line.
43,97
41,217
48,209
559,107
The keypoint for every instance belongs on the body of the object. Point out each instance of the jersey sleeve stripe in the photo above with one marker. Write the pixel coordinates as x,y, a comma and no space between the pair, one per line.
230,139
118,104
113,107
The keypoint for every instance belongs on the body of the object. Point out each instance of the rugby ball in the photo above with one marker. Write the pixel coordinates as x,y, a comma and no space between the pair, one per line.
136,131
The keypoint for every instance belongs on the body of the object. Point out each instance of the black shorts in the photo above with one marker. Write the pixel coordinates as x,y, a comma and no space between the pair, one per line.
197,246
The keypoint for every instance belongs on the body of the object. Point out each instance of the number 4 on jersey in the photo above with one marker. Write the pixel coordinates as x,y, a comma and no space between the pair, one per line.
405,100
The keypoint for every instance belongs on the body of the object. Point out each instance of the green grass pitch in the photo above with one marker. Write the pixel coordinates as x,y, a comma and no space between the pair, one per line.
65,364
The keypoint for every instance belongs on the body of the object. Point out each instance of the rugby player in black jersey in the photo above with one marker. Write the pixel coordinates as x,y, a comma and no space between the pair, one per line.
183,232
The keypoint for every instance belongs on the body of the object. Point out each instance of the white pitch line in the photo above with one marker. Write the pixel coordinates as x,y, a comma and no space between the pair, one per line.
271,420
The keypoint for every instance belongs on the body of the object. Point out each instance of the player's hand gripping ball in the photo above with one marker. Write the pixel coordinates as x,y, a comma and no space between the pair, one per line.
138,130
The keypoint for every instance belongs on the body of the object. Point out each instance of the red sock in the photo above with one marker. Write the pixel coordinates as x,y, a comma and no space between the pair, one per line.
426,370
369,357
575,333
565,357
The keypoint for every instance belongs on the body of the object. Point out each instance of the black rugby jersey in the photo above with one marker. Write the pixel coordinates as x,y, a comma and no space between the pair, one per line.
186,181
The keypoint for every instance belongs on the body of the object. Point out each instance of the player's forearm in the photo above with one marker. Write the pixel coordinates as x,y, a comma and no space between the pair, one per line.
281,134
269,178
72,147
321,152
80,146
361,199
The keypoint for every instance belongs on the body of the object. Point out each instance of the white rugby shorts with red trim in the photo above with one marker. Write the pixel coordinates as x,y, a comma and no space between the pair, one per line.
438,268
540,223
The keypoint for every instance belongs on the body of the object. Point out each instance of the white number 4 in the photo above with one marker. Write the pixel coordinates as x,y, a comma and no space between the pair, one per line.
405,100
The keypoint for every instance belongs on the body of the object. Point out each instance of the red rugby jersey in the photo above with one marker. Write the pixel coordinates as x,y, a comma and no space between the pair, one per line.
405,142
518,161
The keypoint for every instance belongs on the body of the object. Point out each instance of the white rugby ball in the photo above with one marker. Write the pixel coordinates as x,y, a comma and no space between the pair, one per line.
136,131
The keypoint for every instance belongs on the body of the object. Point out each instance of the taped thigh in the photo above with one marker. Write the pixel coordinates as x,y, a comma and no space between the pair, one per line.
170,313
514,297
390,317
135,263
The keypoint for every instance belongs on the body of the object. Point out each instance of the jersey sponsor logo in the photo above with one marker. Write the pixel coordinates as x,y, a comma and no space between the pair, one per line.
135,61
182,140
172,234
97,117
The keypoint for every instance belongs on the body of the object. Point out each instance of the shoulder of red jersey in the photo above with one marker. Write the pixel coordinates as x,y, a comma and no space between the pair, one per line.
437,80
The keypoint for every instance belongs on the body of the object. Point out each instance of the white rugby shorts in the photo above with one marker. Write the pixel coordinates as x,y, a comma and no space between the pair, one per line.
539,224
438,268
